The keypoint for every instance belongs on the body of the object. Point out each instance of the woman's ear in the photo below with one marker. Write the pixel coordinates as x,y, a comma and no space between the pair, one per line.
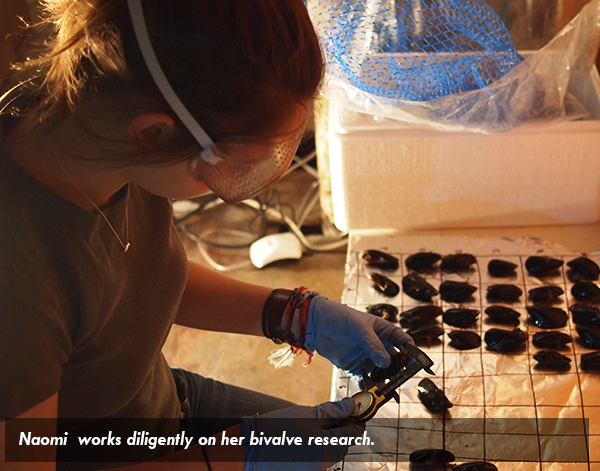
150,128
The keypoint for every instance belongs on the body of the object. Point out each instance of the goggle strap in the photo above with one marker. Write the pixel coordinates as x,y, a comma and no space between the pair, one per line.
141,34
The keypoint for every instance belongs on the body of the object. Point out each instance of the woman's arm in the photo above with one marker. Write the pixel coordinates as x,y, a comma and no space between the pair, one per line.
213,301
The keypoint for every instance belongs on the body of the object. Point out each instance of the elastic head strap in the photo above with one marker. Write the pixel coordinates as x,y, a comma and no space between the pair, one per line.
141,33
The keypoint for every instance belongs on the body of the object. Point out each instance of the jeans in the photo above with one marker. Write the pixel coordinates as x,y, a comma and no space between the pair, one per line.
222,405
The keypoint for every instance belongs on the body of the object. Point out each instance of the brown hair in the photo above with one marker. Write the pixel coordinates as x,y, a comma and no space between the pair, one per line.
239,66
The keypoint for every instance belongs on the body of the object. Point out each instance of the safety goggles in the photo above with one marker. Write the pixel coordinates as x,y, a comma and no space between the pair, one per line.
233,171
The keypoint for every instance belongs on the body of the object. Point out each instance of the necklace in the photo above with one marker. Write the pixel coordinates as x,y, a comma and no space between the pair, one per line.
126,245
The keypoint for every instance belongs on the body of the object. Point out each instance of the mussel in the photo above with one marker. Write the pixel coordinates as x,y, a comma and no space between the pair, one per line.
432,397
502,315
552,360
422,262
476,466
464,339
542,265
397,364
431,455
505,341
418,288
420,315
590,361
587,291
551,339
379,259
582,268
458,262
456,291
547,317
589,337
384,285
585,315
426,335
388,311
503,293
545,294
461,317
501,268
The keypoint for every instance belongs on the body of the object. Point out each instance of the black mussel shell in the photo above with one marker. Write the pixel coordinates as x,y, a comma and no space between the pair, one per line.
384,285
476,466
456,291
387,311
551,339
461,317
505,341
502,268
552,360
545,294
542,265
426,335
587,291
582,268
422,262
585,315
502,315
432,397
377,258
589,337
397,364
418,288
458,262
464,339
431,455
420,315
547,317
590,361
503,293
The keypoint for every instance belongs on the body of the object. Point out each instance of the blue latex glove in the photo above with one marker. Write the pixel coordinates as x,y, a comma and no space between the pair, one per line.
326,421
352,340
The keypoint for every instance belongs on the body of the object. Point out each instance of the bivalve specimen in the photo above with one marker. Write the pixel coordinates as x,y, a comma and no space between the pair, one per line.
582,268
388,311
585,315
464,339
461,317
502,268
551,339
505,341
431,455
397,364
548,294
458,262
547,317
432,397
502,315
586,291
552,360
379,259
541,266
456,291
422,262
426,335
590,361
384,285
589,337
476,466
418,288
503,293
420,315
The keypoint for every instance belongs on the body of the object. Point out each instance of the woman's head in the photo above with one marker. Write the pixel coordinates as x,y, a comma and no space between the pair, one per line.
242,68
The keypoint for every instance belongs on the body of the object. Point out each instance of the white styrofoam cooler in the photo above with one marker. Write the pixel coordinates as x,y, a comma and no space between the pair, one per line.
385,175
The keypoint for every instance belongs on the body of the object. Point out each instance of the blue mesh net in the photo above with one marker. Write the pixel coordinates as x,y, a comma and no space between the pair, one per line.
414,50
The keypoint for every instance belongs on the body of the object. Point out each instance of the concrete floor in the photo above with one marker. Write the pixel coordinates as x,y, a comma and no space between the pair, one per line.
243,360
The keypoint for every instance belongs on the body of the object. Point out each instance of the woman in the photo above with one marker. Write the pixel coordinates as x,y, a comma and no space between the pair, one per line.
135,103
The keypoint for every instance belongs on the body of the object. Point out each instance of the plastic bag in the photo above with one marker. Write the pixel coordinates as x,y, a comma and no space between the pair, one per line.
488,87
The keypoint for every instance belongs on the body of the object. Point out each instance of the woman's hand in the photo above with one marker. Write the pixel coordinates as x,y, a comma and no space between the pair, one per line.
352,340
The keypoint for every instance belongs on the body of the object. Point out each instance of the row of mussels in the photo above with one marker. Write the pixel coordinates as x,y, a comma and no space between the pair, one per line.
421,322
